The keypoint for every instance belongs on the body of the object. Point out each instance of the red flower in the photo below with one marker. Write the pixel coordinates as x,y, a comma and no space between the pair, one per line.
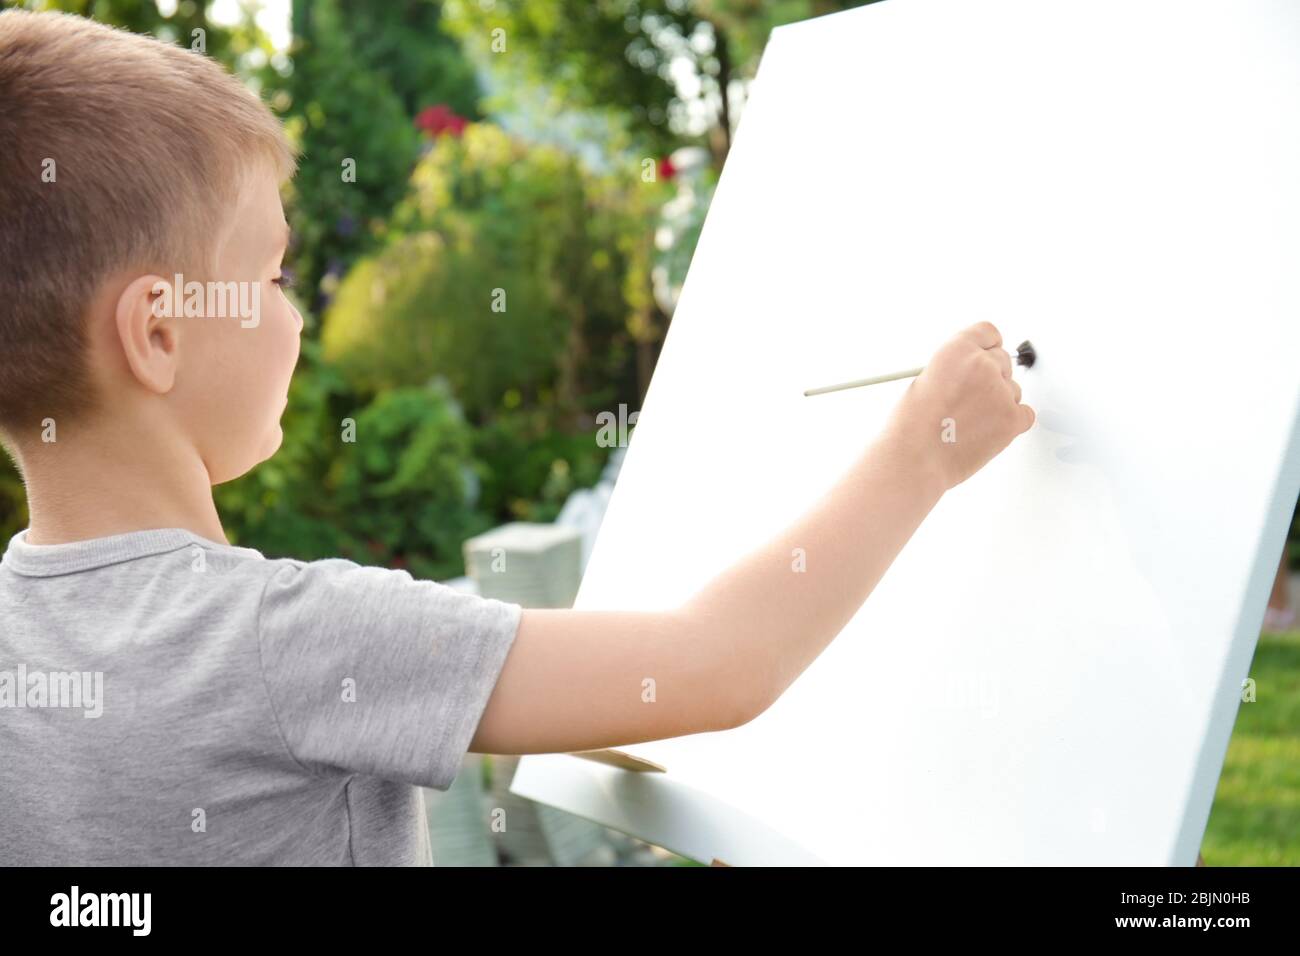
666,168
436,120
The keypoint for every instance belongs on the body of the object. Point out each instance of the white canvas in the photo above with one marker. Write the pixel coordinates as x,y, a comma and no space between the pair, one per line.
1050,671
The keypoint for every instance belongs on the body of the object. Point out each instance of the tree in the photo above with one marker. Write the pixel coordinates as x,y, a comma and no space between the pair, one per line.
669,65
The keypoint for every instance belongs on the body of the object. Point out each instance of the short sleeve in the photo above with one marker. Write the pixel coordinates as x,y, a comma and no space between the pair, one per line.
370,671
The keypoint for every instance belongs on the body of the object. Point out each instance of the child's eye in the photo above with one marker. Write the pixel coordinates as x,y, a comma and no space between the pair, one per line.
285,279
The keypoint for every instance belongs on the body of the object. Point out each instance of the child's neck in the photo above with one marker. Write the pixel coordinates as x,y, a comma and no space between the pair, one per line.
92,482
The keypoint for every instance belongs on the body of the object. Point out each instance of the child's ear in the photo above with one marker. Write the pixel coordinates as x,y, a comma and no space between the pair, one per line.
147,329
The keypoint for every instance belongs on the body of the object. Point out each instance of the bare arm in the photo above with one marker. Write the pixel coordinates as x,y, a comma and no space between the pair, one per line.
574,680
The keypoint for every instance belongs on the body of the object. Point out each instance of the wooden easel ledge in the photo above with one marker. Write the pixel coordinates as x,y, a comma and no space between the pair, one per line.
624,761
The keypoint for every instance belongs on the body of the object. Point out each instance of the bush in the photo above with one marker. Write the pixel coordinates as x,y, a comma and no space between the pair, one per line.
402,492
530,469
407,489
486,213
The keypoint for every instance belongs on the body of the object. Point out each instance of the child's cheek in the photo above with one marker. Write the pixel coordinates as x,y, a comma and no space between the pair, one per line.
288,329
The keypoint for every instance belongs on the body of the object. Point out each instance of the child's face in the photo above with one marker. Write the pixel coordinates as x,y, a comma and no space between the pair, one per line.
234,372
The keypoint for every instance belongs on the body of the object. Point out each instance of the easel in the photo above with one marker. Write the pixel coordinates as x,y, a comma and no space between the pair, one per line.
626,761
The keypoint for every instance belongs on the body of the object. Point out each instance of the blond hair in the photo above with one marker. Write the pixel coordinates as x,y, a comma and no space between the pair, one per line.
117,152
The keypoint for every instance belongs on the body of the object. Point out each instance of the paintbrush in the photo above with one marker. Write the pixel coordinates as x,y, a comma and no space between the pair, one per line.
1025,356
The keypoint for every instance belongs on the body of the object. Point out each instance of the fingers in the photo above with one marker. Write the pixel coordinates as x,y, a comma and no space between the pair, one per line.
986,336
1029,415
1025,415
1003,360
983,334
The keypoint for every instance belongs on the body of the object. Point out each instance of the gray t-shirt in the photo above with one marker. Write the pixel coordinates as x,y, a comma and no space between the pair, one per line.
165,699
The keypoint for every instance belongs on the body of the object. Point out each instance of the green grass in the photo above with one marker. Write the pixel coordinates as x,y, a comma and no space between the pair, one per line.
1255,820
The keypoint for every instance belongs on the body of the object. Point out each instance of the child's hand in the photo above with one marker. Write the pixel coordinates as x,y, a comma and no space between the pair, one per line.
963,409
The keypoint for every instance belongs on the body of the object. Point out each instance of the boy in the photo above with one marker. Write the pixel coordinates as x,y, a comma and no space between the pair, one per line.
173,699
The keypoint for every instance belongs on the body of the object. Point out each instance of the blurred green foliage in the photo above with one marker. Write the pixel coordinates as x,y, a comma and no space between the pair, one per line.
530,468
504,272
13,499
406,487
356,138
394,481
405,43
401,480
628,56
